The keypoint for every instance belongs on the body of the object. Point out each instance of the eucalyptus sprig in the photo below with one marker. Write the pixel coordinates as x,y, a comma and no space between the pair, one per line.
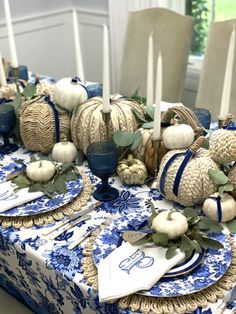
196,238
220,180
57,184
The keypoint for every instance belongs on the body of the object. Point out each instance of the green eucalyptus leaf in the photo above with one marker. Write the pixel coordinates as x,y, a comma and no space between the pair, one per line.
211,243
188,253
138,116
33,158
160,238
185,244
150,111
137,138
209,225
171,252
36,187
49,186
60,185
16,103
226,188
231,225
123,138
21,181
147,125
218,177
196,246
190,212
29,90
69,176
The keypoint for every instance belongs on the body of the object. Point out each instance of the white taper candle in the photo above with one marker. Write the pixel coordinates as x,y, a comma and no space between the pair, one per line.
158,96
106,71
78,54
150,72
12,44
2,73
225,100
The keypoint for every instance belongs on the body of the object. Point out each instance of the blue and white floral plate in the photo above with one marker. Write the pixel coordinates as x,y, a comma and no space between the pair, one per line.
43,204
212,268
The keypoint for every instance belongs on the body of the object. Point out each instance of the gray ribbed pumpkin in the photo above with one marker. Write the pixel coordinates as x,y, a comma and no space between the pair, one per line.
195,185
87,123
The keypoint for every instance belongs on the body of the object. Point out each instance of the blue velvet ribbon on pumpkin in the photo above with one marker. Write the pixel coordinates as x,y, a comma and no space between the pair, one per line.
56,118
231,126
165,124
218,204
187,156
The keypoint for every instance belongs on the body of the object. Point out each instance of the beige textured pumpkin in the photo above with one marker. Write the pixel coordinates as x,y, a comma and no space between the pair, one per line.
232,180
38,128
195,185
222,145
132,171
87,123
145,150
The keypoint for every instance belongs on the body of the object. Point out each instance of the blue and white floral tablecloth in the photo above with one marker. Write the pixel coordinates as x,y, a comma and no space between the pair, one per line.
46,275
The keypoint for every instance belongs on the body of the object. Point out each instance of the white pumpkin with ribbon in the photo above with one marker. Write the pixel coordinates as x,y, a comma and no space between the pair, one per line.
183,175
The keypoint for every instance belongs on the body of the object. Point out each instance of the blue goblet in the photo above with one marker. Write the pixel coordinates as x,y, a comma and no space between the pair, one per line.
7,124
102,160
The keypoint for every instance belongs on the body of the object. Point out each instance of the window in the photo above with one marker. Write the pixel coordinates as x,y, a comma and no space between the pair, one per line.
204,12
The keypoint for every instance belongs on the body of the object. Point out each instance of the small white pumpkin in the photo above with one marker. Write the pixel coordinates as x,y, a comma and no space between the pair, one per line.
178,136
228,207
69,93
64,152
132,170
40,170
170,222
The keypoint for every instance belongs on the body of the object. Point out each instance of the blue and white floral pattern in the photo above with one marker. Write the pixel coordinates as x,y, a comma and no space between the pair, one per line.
47,276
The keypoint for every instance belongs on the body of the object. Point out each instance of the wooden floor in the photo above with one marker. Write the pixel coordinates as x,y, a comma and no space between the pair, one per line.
10,305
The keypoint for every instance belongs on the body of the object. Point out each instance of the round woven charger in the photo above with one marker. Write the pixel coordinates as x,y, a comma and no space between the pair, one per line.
168,305
54,215
37,126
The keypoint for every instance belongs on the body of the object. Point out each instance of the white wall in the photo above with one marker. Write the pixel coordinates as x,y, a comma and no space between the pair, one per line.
44,38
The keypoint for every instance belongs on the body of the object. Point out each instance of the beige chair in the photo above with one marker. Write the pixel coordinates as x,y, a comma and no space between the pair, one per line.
213,70
172,34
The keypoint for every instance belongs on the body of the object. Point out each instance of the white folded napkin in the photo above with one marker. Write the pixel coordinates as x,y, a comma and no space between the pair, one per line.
10,199
130,268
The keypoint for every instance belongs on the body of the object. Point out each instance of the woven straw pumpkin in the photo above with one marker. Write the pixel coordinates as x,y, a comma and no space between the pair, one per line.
232,180
38,126
222,146
145,150
87,123
195,185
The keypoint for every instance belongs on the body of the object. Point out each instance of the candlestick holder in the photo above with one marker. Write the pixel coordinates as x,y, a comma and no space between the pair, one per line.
106,118
152,182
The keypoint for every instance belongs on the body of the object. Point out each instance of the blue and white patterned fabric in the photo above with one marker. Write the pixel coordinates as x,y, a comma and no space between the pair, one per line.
46,275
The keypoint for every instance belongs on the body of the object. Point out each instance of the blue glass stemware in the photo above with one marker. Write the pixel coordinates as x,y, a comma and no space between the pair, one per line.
102,160
7,124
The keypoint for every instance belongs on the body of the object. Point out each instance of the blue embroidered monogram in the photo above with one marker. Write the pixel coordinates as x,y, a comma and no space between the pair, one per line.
7,196
137,259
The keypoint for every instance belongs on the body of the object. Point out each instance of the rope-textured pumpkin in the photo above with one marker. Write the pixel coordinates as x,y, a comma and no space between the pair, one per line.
37,126
145,150
232,180
87,124
186,115
222,145
195,185
8,91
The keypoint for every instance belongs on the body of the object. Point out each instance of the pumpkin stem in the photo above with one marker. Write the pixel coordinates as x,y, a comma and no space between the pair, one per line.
40,164
130,159
170,214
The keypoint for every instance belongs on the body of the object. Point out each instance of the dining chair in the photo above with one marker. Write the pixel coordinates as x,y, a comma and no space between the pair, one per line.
213,70
172,35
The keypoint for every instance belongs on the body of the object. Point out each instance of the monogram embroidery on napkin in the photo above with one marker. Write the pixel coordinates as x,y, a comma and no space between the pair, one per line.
137,259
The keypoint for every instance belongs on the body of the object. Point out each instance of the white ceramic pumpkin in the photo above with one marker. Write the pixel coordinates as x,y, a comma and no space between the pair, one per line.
178,136
40,170
170,222
228,207
69,93
64,152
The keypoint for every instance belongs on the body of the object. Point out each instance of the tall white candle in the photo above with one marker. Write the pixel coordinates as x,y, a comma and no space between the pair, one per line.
150,72
78,54
2,73
106,71
12,44
158,96
225,100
